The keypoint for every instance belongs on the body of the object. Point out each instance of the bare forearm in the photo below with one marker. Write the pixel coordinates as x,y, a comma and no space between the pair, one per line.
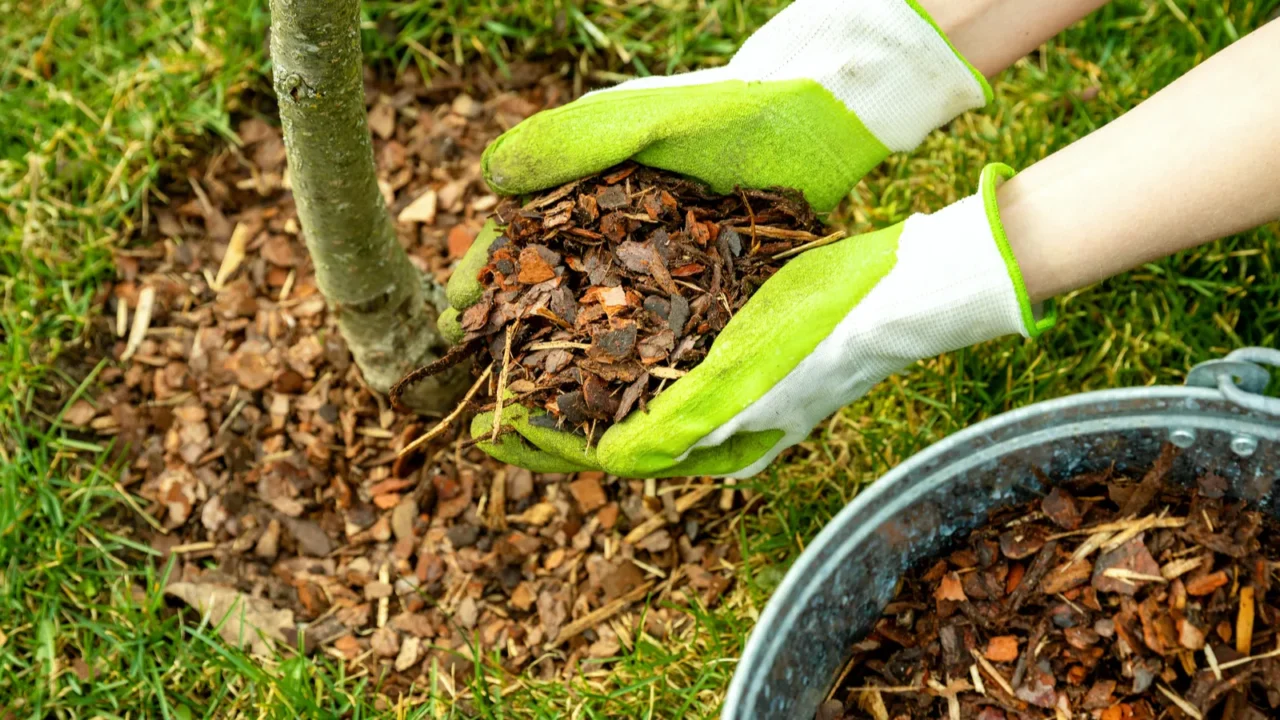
1197,161
992,34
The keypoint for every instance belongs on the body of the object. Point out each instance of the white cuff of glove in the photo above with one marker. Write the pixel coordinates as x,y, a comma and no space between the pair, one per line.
885,60
955,283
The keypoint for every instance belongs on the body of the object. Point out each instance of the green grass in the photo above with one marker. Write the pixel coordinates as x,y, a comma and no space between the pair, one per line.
101,102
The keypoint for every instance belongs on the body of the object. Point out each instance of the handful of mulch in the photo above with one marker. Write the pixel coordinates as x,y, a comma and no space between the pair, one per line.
1107,599
602,291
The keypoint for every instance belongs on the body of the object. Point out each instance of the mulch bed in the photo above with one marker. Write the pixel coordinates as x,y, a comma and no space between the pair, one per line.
264,465
1110,598
602,291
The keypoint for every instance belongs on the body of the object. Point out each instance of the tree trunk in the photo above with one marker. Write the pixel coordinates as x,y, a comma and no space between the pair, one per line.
386,309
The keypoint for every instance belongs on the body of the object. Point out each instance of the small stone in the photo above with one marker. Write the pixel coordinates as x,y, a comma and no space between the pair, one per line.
1038,687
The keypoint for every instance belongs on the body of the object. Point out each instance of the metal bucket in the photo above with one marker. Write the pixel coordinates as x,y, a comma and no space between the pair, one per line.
846,576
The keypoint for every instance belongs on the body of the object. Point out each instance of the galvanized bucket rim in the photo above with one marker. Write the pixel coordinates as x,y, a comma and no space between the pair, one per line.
761,646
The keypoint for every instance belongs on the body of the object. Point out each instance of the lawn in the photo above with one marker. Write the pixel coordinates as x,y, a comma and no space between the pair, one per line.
102,104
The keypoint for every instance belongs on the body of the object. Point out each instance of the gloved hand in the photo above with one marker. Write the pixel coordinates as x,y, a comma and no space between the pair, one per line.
828,326
813,100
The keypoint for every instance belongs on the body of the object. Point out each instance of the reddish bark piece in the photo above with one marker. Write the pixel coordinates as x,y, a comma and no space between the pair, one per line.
1133,557
1022,542
1069,575
1061,507
1146,490
523,597
1206,584
533,268
587,492
950,589
622,579
608,516
1072,649
688,270
1002,648
476,317
1038,687
1100,695
459,240
611,197
614,345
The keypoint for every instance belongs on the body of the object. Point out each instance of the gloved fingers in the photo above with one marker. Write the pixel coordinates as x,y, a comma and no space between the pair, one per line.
735,457
746,371
464,289
513,449
563,144
790,133
537,431
449,325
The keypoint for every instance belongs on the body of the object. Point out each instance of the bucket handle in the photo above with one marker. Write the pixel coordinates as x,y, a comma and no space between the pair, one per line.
1241,378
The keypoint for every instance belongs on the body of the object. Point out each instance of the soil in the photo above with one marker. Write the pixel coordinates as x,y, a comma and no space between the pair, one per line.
602,291
1110,598
262,465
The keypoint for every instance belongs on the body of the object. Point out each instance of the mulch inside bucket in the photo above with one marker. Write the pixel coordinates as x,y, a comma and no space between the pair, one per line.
1112,597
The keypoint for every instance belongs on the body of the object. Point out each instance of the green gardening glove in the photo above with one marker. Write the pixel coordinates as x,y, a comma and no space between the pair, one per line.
827,327
463,291
813,100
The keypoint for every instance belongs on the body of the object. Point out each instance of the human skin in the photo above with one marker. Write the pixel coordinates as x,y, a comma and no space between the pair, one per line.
993,34
1197,161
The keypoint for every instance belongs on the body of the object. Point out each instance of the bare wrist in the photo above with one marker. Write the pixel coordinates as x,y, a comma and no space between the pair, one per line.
993,34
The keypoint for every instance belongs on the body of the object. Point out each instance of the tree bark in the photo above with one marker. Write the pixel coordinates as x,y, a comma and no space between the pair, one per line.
386,309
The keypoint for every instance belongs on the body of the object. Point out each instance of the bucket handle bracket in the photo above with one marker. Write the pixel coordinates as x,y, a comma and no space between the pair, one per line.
1241,378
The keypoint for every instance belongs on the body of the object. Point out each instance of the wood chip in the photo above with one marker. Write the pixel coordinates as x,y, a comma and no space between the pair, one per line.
1244,621
1183,705
992,673
141,321
233,256
599,615
421,210
652,524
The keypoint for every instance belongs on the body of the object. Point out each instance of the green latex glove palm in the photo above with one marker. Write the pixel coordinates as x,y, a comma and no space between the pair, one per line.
813,100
